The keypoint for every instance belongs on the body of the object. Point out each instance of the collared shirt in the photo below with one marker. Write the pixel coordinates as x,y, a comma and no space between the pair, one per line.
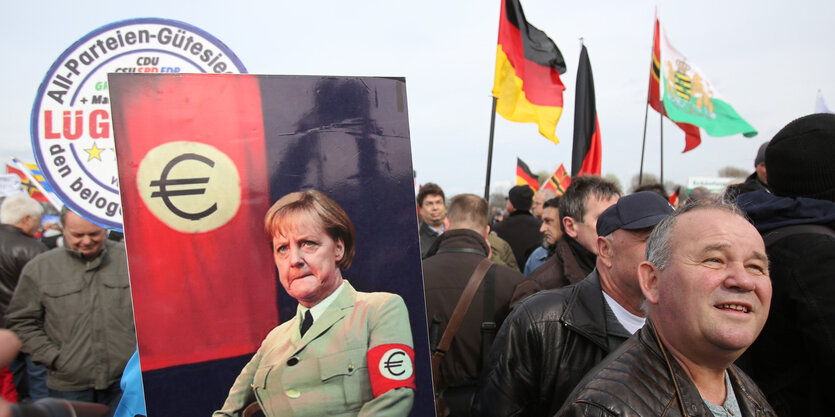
629,321
317,310
536,259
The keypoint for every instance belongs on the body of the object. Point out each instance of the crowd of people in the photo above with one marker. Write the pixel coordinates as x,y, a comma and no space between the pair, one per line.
624,305
594,302
69,307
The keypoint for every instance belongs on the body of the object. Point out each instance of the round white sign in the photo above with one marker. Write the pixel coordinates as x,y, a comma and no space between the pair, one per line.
72,136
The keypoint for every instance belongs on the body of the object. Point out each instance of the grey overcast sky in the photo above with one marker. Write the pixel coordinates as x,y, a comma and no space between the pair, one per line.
768,59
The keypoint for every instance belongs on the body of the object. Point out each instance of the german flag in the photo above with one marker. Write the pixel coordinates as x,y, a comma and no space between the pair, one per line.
586,156
524,176
692,135
527,84
558,182
674,198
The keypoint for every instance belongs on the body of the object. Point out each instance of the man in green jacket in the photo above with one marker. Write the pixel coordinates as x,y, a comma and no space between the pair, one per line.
72,311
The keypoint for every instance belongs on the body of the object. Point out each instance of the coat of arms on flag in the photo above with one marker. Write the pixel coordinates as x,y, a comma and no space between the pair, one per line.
689,97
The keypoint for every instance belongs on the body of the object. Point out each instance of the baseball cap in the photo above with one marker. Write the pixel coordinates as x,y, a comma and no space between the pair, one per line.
633,212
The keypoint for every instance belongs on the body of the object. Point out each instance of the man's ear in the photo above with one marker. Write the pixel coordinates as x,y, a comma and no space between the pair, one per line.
605,251
570,226
648,278
24,221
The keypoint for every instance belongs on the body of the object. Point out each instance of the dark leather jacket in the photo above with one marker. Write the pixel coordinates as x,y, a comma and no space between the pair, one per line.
635,381
559,270
544,348
16,249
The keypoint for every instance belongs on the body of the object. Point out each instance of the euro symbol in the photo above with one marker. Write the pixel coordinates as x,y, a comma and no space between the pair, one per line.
163,182
391,363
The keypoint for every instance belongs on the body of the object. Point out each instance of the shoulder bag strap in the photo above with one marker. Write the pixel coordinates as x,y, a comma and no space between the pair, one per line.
458,315
489,327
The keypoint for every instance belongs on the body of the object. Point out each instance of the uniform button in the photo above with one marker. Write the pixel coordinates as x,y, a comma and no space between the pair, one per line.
351,368
293,393
292,361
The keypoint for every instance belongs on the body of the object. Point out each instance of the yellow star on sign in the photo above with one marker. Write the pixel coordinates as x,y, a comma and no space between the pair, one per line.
94,152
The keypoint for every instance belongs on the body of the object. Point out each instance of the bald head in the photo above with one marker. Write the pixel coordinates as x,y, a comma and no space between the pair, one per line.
539,201
468,211
82,236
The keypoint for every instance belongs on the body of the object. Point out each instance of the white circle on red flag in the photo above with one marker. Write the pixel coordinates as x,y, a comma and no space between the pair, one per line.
190,186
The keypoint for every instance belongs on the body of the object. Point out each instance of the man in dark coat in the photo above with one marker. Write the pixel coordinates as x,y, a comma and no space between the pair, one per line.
432,215
575,253
520,229
446,271
554,337
20,219
793,360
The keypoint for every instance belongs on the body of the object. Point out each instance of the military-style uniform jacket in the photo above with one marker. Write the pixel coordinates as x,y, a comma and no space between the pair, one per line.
327,372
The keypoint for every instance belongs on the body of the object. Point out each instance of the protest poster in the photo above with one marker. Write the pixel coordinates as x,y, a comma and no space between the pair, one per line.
201,158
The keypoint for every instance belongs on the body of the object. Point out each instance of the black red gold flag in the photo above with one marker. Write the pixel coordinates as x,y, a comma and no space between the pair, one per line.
674,197
527,82
692,135
586,156
524,176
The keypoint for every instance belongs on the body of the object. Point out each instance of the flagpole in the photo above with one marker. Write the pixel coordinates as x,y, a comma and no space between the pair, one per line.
643,146
490,152
661,123
646,109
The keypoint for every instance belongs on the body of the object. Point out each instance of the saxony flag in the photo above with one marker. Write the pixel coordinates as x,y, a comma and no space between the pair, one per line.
689,97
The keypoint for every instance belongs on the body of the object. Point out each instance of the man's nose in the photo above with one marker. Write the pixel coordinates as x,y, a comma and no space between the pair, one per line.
740,278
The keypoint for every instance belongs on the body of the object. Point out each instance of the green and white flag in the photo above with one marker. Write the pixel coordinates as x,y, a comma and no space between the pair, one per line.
689,97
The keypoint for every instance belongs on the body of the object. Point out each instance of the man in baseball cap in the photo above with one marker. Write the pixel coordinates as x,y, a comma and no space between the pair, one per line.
555,337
